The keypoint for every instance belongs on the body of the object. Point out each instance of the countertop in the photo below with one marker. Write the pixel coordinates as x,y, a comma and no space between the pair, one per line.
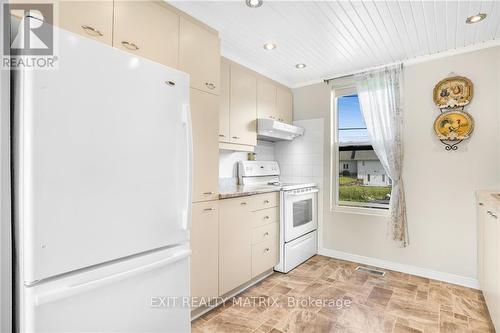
490,197
233,191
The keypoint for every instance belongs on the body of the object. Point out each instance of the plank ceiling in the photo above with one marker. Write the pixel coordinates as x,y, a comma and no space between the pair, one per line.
333,37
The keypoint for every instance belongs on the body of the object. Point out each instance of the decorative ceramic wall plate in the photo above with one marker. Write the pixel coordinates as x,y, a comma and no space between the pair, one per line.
453,125
453,92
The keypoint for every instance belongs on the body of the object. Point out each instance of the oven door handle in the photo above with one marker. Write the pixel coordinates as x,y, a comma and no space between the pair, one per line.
302,193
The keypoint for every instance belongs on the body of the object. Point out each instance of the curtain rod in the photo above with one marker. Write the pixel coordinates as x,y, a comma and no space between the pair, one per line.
363,71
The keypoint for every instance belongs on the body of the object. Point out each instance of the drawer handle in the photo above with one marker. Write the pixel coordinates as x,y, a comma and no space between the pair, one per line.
92,31
243,203
266,234
491,214
222,136
209,209
266,201
266,217
481,204
266,250
207,193
130,46
170,83
236,137
210,85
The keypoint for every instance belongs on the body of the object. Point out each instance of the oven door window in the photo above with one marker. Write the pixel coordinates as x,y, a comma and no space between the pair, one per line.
302,212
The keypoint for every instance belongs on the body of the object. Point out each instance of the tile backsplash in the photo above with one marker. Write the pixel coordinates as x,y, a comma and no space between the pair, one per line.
228,160
301,160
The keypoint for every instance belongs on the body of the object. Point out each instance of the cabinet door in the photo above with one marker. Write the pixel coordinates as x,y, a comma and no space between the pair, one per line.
92,19
205,247
491,263
481,220
199,55
224,102
266,100
205,120
243,107
235,237
284,101
147,29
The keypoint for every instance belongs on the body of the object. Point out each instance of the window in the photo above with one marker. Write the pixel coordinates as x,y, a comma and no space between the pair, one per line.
361,185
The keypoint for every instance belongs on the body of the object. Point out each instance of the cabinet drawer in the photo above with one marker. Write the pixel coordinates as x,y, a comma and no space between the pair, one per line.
263,256
265,232
262,201
265,216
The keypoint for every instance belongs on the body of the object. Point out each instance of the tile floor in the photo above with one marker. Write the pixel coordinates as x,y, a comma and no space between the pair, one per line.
348,301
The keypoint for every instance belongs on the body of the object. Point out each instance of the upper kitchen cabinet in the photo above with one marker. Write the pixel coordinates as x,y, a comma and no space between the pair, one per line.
225,69
92,19
284,104
243,107
205,120
266,100
147,29
199,55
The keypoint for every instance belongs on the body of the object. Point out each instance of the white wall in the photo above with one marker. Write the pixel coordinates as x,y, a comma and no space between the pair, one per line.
228,159
440,185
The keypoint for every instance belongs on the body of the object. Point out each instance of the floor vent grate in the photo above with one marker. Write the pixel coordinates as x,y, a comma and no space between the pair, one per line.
370,271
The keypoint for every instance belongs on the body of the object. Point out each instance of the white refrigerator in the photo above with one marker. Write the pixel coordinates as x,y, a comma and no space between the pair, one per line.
102,193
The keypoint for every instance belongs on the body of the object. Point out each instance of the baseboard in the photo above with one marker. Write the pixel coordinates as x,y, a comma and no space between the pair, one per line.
409,269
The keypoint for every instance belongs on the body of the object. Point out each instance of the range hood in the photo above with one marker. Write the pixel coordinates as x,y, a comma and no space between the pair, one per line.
272,130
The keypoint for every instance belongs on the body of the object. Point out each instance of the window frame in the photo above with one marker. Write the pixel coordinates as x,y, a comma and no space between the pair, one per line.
335,204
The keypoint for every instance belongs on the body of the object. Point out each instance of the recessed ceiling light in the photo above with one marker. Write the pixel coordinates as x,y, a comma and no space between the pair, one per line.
269,46
475,18
300,66
254,3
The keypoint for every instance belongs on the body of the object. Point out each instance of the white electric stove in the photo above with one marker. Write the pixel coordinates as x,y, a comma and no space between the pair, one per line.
298,212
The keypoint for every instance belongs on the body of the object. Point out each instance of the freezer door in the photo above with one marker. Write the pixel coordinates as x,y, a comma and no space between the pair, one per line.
145,294
102,158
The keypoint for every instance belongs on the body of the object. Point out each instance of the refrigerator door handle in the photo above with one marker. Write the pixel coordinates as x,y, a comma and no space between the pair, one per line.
189,172
55,295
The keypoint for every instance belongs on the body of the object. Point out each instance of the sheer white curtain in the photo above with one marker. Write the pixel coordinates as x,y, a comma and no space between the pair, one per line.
380,97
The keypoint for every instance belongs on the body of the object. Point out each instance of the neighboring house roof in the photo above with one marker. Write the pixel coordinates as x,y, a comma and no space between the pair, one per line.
360,155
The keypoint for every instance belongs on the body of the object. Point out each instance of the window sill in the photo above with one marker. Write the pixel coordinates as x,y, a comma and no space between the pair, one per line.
360,210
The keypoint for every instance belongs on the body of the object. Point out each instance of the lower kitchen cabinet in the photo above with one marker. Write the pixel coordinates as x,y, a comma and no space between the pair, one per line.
235,236
248,238
488,253
264,253
205,248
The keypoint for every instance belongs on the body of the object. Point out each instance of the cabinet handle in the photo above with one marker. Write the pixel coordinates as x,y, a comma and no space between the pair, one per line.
266,249
491,214
211,192
266,234
222,136
266,217
130,46
209,209
266,201
481,204
92,31
236,137
243,203
210,85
